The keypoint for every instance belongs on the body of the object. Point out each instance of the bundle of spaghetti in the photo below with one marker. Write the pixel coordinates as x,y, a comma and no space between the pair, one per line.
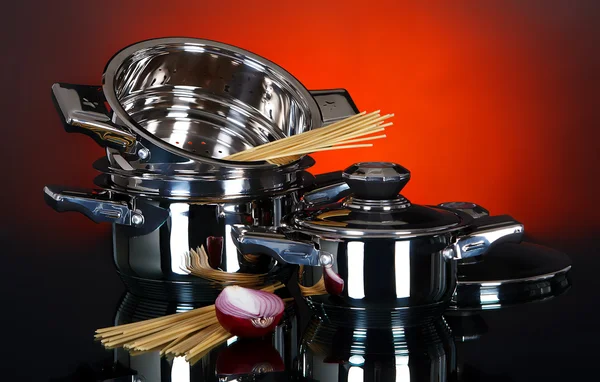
190,334
344,134
315,290
196,263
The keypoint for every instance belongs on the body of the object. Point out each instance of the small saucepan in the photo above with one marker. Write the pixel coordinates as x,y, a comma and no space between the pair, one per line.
387,262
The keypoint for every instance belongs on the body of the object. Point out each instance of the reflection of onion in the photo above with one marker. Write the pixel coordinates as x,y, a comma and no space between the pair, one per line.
214,249
247,312
249,357
334,284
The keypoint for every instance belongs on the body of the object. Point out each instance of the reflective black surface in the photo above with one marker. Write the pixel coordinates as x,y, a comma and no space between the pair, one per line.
59,287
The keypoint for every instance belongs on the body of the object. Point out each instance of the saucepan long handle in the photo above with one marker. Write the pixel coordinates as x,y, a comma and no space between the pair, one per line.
83,109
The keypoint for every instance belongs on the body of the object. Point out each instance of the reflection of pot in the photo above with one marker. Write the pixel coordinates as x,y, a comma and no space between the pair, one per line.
397,260
420,353
152,368
248,357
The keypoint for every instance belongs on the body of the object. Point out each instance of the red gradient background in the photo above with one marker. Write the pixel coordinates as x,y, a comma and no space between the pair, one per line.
496,102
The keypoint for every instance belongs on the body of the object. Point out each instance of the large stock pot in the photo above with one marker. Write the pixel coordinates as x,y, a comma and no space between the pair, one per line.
397,260
151,234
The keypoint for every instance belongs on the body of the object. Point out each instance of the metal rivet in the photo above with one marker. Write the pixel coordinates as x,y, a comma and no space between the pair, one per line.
325,258
143,153
137,219
448,253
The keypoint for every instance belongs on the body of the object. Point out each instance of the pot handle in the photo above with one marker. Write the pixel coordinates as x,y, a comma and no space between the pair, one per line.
329,188
83,109
334,104
102,207
487,232
258,240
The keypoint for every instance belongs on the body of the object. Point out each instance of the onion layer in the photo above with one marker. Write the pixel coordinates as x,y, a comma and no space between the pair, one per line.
334,284
248,313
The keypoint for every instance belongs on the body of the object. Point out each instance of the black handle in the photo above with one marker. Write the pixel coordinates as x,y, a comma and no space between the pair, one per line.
328,179
259,240
334,104
96,205
83,109
101,206
485,233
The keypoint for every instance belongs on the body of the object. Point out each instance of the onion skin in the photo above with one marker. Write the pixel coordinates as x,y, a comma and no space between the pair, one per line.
334,284
243,327
249,357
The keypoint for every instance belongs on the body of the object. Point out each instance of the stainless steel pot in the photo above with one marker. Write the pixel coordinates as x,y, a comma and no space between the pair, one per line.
190,102
151,235
398,260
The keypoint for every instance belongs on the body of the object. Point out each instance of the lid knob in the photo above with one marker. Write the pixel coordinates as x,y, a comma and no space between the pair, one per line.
376,180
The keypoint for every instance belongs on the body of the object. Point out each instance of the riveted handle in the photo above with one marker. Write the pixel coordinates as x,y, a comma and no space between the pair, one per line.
83,109
262,241
101,206
487,232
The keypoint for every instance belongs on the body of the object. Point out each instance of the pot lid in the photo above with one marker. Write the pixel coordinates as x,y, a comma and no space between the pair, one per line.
375,209
511,274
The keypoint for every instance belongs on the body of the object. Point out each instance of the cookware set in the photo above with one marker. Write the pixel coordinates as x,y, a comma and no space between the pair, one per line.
170,109
398,260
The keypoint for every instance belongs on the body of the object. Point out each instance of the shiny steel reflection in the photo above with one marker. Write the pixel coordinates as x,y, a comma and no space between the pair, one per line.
420,353
356,276
402,268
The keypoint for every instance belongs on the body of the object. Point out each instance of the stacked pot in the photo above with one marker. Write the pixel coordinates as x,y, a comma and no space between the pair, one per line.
169,110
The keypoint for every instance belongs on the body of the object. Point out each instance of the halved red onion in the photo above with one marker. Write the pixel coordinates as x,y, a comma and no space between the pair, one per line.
334,284
249,357
246,312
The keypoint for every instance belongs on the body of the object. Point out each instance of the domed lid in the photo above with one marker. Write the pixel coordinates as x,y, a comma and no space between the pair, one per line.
375,209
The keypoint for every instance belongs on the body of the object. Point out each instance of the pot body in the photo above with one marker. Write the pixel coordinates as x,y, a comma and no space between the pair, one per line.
151,264
387,282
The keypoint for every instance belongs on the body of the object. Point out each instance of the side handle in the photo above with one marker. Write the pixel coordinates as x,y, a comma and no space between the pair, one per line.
102,207
262,241
83,109
487,232
329,188
334,104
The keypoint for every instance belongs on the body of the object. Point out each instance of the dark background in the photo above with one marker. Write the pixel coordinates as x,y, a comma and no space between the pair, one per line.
495,102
